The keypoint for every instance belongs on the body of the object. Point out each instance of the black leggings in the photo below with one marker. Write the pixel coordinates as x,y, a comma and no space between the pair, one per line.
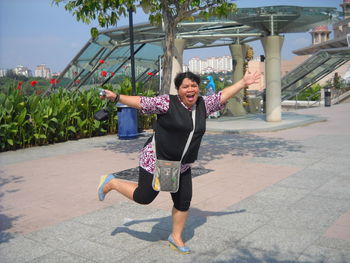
144,193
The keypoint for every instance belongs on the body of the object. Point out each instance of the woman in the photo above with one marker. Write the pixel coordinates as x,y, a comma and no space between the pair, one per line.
174,123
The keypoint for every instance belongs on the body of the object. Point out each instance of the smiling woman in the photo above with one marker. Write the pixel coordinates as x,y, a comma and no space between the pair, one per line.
187,85
181,122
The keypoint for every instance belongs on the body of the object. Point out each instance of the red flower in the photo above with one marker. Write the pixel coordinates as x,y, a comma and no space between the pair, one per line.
101,61
33,83
103,73
19,85
112,73
53,81
77,81
150,73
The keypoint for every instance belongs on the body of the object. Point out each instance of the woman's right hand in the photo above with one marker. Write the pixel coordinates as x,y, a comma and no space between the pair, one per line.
131,101
109,95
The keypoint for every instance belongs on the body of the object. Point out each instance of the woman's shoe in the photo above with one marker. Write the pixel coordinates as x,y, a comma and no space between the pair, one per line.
183,250
103,181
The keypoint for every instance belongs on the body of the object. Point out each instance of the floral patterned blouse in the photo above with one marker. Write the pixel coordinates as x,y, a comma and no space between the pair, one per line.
160,105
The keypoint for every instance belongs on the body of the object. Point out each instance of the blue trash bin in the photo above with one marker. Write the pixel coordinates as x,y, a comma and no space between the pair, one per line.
127,122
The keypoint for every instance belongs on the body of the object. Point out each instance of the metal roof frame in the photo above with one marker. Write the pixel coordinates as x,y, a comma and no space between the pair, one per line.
312,70
246,25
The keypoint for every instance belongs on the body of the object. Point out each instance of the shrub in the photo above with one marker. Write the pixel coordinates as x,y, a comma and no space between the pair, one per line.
31,120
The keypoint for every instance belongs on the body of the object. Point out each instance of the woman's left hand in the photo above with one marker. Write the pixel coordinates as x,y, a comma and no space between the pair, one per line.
248,79
251,78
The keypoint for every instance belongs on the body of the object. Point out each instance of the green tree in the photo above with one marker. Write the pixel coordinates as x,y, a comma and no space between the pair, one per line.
169,13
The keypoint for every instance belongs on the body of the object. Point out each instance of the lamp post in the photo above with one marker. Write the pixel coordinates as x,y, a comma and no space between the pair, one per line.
132,58
127,116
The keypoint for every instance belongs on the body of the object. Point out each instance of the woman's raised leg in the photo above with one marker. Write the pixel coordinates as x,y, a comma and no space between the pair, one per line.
141,192
126,188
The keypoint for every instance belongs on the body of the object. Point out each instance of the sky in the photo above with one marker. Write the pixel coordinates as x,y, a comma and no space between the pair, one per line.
34,32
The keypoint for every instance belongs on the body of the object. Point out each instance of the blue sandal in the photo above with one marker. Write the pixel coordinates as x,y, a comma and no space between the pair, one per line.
103,181
183,250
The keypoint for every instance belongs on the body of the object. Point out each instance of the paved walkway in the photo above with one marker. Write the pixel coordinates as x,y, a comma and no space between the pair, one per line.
275,192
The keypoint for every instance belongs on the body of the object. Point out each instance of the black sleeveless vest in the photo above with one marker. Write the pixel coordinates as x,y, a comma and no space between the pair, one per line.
172,130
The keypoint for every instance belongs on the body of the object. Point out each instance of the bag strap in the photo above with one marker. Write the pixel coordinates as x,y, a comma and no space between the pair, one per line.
189,136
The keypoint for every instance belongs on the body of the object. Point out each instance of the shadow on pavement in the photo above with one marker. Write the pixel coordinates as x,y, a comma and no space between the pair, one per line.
126,146
238,253
6,222
216,145
196,219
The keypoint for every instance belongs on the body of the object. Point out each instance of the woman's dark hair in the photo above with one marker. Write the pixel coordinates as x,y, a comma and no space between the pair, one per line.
181,76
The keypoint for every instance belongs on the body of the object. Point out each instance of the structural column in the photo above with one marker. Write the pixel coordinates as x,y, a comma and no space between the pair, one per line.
234,106
177,62
272,47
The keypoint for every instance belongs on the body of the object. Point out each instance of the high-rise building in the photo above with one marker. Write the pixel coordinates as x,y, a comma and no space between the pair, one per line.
185,68
21,70
42,71
3,72
225,64
212,64
195,65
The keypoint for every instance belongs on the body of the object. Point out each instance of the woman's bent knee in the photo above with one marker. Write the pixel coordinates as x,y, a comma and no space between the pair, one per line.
144,197
143,201
184,207
144,193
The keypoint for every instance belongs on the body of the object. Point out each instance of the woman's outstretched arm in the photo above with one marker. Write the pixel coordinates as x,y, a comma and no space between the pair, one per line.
248,79
131,101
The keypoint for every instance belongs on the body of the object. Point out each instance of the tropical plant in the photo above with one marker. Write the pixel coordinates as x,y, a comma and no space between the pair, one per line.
311,93
35,120
31,120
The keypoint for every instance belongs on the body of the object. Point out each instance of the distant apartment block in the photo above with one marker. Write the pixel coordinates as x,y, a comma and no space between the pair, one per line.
195,65
21,70
209,65
3,72
42,71
185,68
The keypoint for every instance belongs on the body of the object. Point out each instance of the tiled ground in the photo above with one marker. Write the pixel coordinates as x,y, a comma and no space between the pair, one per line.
341,228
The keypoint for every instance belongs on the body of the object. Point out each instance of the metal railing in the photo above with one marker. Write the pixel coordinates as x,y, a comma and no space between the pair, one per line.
312,70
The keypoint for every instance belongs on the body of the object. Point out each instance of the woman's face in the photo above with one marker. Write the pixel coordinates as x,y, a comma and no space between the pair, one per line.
188,92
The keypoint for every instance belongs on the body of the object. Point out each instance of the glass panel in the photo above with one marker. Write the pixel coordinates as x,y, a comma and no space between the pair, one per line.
311,70
88,69
104,40
146,60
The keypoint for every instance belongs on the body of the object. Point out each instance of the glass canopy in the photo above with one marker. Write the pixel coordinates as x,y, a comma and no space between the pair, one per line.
312,70
108,56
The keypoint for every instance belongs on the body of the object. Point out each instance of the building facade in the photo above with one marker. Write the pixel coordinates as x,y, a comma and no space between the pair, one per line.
210,65
42,71
3,72
22,70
